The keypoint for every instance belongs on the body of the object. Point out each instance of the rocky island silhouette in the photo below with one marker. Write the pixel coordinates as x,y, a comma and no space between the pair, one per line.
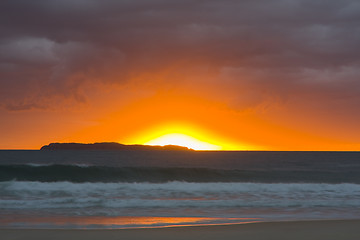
112,146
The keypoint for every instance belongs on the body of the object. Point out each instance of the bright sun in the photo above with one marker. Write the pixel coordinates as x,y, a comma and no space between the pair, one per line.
182,140
186,135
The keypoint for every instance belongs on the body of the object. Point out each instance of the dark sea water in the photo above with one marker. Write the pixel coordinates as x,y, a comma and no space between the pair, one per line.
122,189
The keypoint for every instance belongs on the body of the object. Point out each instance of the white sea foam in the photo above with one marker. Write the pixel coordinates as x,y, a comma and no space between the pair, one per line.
37,195
39,164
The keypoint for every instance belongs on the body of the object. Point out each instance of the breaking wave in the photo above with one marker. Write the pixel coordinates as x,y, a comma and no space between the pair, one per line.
85,173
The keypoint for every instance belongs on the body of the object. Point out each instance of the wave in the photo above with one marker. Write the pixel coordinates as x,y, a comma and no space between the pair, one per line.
86,173
112,197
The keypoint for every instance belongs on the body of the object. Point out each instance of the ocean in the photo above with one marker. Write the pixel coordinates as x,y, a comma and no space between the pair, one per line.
133,189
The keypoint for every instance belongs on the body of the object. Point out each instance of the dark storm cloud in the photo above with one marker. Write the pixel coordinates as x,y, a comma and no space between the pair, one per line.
49,50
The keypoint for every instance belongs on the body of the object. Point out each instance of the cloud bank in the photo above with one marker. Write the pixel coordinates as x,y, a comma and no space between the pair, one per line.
300,52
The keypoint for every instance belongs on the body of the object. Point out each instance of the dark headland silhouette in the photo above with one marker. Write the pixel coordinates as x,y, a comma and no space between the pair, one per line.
112,146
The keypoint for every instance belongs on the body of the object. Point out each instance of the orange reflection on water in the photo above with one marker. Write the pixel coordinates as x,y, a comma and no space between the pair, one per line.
130,221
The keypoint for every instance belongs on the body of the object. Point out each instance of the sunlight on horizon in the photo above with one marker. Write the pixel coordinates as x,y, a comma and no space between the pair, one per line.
182,140
186,135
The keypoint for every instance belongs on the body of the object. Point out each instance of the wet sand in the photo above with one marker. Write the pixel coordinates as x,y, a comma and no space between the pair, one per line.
300,230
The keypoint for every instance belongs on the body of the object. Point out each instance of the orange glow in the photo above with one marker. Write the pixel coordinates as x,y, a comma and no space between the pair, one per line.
154,112
141,121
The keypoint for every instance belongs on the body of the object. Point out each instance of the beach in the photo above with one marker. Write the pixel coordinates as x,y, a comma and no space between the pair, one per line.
296,230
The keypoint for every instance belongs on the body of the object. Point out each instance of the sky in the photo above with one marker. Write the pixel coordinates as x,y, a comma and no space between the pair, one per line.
246,75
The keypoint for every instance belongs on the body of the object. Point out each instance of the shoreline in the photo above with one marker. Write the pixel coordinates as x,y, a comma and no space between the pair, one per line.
295,230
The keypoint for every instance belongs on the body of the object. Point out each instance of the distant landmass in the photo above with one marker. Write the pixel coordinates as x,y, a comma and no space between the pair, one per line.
112,146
